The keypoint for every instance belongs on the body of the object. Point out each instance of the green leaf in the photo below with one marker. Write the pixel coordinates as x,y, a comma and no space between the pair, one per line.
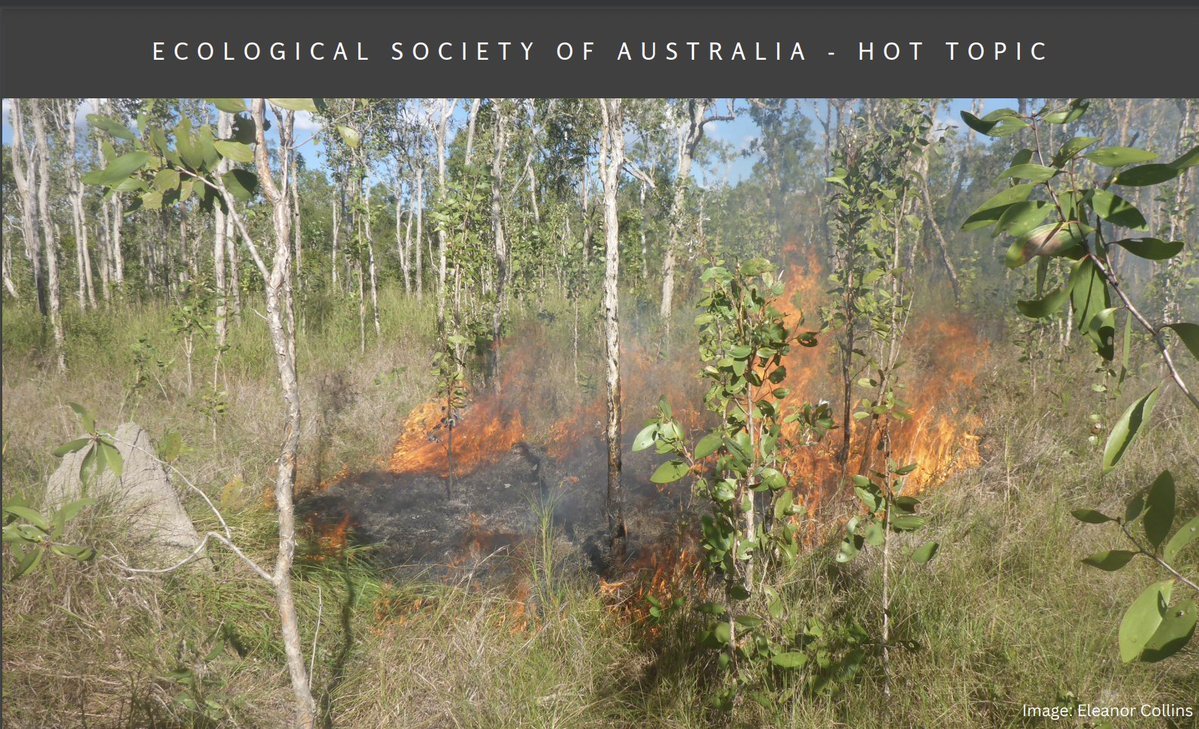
707,445
350,136
235,151
171,447
1186,534
1153,249
295,104
71,447
1019,219
1116,210
670,472
790,660
646,438
875,535
1189,158
1088,293
782,505
771,479
112,457
1110,561
1048,306
28,561
1189,334
29,515
111,126
1090,516
992,209
85,417
925,552
118,170
1001,123
1071,148
867,497
1119,156
242,184
1051,239
1030,172
1147,175
70,510
1143,618
723,632
1125,431
907,522
1175,631
232,106
1159,509
166,180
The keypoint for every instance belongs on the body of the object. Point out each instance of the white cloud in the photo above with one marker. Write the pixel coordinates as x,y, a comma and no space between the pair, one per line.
305,122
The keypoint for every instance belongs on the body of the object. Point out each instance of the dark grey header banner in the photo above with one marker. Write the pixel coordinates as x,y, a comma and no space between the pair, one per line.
539,51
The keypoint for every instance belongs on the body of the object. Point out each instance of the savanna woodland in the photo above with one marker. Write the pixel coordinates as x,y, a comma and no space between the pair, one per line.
599,412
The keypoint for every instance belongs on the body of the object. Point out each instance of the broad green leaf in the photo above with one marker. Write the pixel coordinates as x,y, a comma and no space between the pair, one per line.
1189,334
71,447
118,170
166,180
1090,516
1186,534
646,438
1101,331
1147,175
1088,293
1071,148
350,136
111,126
70,510
670,472
782,505
1143,618
1019,219
235,151
906,522
723,632
1110,561
707,445
1159,509
1116,210
112,458
295,104
992,209
1176,630
1051,239
85,417
29,515
1189,158
1125,431
926,552
790,660
241,184
1002,123
875,535
1030,172
81,554
28,562
1119,156
866,497
232,106
1153,249
1048,306
1073,113
771,479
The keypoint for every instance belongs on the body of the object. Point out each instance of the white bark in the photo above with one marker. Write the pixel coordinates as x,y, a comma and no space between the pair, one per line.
49,242
610,162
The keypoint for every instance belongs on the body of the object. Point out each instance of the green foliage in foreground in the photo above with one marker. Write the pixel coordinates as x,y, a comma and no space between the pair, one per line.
1086,220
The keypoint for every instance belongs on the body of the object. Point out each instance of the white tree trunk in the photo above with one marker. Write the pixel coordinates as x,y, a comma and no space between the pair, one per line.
611,162
50,244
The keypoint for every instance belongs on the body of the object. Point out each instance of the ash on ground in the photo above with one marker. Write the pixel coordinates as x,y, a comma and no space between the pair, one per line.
489,519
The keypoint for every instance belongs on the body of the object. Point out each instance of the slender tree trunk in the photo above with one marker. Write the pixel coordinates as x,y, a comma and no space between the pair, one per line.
418,206
441,129
501,245
117,256
220,235
611,161
696,108
281,322
25,173
374,276
50,244
403,239
333,262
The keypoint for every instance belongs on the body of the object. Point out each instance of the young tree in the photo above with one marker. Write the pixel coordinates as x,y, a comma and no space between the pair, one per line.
170,176
611,162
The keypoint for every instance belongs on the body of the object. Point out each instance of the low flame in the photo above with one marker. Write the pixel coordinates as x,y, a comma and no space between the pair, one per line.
431,443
